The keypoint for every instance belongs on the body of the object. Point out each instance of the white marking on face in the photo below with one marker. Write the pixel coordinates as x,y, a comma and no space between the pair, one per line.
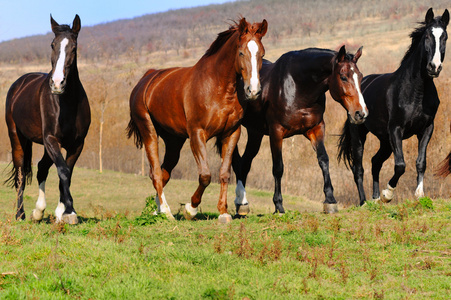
240,192
437,59
58,74
253,49
361,100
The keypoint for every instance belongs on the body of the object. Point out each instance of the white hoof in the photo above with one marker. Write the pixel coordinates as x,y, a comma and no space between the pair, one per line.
242,209
70,219
419,192
388,194
37,215
189,212
225,218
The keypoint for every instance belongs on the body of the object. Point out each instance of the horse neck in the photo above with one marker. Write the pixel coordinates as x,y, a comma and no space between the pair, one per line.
413,68
322,72
223,61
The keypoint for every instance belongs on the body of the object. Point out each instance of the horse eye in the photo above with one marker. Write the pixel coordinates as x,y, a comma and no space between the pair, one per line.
241,54
343,78
52,45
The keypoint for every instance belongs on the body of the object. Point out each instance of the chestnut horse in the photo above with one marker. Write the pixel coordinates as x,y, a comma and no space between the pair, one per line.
293,102
445,166
402,104
198,102
52,110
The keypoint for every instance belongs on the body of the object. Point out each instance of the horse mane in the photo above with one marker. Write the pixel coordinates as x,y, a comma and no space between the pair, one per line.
62,28
222,38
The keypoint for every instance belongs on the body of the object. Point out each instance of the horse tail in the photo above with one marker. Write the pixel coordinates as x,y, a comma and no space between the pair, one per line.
444,168
15,177
345,146
132,129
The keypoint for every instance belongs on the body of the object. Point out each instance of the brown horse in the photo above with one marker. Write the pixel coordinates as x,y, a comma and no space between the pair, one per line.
52,110
198,102
293,102
445,166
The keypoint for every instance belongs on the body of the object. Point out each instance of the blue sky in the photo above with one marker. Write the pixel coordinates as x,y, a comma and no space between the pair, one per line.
21,18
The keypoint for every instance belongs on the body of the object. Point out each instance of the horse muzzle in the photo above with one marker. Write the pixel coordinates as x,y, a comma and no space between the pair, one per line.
252,94
57,88
358,118
433,71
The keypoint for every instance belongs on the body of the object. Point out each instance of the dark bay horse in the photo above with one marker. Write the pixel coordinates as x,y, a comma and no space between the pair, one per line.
401,104
198,102
293,102
53,110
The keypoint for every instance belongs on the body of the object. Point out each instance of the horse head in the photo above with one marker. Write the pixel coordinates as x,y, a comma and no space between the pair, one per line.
249,56
344,85
64,53
435,37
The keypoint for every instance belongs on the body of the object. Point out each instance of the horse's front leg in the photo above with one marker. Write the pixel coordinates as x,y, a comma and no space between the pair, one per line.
423,141
43,171
65,210
400,165
228,145
198,140
276,141
242,166
316,137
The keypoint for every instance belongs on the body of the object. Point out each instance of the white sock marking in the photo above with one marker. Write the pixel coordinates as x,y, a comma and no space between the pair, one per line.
419,192
58,73
240,192
59,212
253,49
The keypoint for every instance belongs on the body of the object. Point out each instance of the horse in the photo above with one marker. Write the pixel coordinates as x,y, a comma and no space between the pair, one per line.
293,102
198,102
401,104
444,168
52,110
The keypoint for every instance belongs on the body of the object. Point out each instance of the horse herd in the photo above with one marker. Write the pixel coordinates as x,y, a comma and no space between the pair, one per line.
232,85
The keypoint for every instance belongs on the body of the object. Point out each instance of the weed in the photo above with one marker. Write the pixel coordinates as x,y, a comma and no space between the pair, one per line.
426,203
148,215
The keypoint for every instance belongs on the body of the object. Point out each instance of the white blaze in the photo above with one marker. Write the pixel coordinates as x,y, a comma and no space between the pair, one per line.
437,59
253,49
58,73
361,100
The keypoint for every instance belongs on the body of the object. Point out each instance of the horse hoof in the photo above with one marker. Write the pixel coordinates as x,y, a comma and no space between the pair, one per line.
225,218
189,212
36,216
386,196
70,219
242,209
330,208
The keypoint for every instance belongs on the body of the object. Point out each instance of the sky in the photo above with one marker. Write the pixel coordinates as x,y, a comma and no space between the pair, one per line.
21,18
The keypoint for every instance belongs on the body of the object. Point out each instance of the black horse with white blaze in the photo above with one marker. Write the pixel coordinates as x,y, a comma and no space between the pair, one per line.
401,104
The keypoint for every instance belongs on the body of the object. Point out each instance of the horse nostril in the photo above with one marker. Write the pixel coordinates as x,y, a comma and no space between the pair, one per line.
358,115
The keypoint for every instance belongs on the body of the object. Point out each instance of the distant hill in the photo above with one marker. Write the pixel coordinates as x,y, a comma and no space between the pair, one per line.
194,27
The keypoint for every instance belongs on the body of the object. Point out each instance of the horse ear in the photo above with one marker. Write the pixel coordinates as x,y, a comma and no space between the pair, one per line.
242,27
54,24
429,16
263,28
445,18
76,25
357,54
341,54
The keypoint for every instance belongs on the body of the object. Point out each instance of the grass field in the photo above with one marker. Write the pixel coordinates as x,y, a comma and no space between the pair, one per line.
377,251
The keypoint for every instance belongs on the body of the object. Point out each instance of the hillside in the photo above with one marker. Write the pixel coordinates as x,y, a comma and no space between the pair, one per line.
113,56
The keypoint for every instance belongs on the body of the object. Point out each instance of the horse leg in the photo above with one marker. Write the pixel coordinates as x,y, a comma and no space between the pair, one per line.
65,207
254,141
43,170
171,158
198,147
423,141
21,153
358,138
400,165
276,141
377,161
316,137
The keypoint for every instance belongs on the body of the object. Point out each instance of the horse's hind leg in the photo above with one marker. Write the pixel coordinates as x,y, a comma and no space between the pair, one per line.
358,138
316,137
43,170
423,141
21,153
242,166
377,161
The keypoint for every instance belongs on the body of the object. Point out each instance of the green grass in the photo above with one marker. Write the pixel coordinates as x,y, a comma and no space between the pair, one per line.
376,251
